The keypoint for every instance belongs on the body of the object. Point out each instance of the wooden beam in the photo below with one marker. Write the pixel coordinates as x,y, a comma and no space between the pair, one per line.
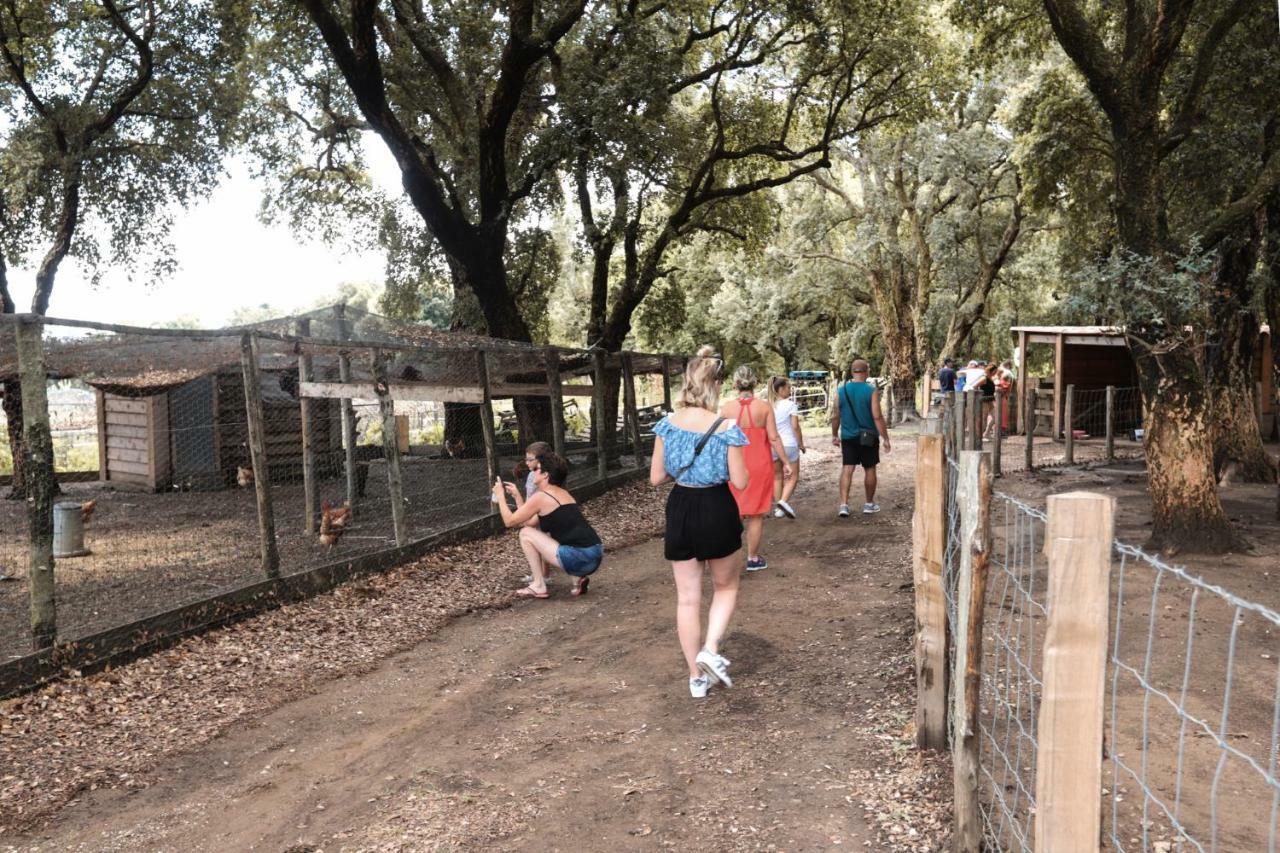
533,389
1068,418
258,454
1058,345
100,399
486,423
597,416
557,401
1078,540
1110,414
390,448
1024,376
1029,433
348,411
310,487
997,431
630,410
421,391
973,494
666,383
928,540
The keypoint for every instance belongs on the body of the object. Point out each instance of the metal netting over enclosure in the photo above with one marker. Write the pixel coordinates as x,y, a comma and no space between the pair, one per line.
192,466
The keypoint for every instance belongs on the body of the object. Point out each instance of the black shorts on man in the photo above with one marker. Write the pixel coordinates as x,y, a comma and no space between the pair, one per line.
852,452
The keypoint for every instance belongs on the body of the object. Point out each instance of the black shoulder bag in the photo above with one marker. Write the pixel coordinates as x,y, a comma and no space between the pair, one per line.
702,442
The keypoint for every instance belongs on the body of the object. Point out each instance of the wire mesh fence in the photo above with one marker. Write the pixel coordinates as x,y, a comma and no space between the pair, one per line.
368,436
1190,706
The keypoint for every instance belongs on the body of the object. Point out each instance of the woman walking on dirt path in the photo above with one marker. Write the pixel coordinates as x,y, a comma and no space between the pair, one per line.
786,418
553,531
755,419
703,454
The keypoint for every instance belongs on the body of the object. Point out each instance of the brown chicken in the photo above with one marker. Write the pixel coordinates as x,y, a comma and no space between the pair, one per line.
333,522
86,511
244,476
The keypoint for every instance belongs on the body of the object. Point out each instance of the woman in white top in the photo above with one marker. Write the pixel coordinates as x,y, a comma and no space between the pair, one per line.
787,417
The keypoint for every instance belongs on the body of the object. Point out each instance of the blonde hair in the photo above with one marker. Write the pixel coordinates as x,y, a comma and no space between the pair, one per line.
744,378
776,384
702,376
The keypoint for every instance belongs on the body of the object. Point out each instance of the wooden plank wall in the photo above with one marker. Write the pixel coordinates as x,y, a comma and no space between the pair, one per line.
283,427
126,431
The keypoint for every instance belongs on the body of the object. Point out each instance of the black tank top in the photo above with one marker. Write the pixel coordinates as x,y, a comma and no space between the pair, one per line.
566,525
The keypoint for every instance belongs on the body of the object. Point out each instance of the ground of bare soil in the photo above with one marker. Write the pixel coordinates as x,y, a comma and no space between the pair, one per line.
425,710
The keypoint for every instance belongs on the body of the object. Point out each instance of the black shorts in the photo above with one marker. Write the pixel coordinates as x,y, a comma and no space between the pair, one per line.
702,524
853,453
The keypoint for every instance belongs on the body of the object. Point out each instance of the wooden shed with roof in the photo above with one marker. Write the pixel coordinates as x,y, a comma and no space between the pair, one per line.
1094,357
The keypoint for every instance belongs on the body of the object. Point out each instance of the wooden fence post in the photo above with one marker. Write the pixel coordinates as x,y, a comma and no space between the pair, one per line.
390,446
1029,427
959,425
38,470
1111,422
556,393
348,411
928,543
1078,540
310,488
997,432
666,384
258,454
973,495
632,411
979,422
486,420
1069,432
597,407
973,417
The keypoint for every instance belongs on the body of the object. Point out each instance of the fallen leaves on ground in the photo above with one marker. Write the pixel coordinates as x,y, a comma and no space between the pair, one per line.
108,730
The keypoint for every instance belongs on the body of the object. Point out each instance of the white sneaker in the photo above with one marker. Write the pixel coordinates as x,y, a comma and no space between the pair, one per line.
699,686
778,513
785,507
868,509
714,666
843,512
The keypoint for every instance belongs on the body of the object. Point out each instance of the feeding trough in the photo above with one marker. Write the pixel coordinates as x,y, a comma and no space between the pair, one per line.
68,530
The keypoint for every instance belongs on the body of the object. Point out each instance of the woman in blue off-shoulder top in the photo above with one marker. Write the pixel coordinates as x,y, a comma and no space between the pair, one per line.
703,524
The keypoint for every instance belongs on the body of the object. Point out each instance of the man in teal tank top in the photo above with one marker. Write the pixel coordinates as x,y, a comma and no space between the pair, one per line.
858,429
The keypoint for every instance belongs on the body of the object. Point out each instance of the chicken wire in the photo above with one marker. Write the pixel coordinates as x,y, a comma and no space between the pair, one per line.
174,517
1192,724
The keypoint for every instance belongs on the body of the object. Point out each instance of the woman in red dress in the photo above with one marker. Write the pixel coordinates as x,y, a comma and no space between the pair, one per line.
755,418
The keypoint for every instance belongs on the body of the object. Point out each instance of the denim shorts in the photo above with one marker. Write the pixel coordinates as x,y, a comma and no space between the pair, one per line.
580,562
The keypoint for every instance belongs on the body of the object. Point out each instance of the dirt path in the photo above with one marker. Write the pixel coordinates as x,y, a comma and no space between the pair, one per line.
567,724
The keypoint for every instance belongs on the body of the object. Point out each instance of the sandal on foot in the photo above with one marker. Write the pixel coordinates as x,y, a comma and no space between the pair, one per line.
530,592
580,586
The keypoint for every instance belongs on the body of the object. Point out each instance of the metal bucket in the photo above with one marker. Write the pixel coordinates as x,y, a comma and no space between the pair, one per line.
68,530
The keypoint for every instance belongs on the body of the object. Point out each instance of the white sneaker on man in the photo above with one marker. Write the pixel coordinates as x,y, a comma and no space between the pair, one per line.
778,513
714,666
843,512
869,509
784,507
699,686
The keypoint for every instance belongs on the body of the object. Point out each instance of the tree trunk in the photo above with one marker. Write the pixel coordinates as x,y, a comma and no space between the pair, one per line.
900,369
1237,438
12,401
1186,513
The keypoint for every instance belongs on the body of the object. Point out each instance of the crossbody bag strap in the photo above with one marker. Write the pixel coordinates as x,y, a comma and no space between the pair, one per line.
702,442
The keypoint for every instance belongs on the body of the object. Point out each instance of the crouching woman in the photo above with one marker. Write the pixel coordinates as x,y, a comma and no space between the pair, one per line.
553,530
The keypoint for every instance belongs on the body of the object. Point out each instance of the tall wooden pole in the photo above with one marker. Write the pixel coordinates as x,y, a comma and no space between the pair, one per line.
928,540
258,454
37,464
486,418
632,411
1111,422
973,493
1059,349
555,392
306,406
1024,378
597,404
1069,431
390,447
348,411
997,432
1078,539
1029,393
666,383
